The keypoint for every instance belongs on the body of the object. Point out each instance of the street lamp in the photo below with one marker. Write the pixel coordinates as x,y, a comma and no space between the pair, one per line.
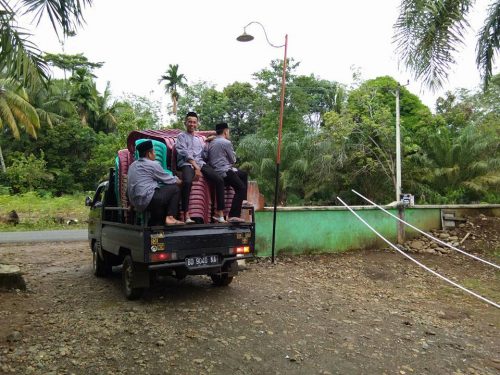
247,38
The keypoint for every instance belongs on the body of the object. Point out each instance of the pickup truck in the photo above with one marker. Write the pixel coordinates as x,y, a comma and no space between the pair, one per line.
119,236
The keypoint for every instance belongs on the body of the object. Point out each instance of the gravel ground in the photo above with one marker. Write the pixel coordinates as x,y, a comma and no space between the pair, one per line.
361,312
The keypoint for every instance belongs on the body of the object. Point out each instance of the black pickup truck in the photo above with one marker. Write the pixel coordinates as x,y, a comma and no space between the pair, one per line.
119,236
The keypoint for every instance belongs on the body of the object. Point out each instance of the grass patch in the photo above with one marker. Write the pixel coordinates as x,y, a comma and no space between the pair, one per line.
44,212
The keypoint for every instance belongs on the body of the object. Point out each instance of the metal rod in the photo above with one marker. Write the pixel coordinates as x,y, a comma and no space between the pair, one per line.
276,188
278,152
263,29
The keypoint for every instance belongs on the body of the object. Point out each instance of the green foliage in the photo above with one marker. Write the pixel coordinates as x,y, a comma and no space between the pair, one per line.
28,173
38,212
429,33
173,80
20,59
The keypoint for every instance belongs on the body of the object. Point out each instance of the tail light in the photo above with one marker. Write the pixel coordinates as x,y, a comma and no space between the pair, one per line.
241,250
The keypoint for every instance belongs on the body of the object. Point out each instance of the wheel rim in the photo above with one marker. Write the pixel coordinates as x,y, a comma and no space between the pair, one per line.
94,261
128,277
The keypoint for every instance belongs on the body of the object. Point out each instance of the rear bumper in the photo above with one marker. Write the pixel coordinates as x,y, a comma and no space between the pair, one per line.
161,266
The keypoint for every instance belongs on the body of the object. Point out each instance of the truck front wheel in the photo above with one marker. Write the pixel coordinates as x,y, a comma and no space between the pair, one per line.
128,276
100,267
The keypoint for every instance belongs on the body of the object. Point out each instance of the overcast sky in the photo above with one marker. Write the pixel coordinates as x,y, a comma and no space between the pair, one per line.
137,40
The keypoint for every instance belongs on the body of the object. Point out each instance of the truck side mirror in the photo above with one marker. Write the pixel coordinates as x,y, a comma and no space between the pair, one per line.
88,202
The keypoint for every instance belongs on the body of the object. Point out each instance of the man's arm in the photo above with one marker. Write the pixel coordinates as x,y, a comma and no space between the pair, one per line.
181,145
161,176
231,155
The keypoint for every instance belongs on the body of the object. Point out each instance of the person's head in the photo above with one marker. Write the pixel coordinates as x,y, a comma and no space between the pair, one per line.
191,122
222,128
146,149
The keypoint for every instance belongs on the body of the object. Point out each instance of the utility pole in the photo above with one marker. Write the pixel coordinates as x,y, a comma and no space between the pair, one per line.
400,226
398,142
398,148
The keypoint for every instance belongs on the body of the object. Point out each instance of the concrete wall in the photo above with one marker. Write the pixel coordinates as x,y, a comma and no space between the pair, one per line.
335,229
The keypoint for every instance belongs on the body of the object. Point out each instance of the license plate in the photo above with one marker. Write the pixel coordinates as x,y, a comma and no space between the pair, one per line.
207,260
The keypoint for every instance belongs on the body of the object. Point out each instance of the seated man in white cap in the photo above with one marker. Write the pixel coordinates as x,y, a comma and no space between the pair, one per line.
146,193
221,157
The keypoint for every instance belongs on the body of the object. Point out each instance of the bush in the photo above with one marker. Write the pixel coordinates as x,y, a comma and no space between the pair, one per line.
28,173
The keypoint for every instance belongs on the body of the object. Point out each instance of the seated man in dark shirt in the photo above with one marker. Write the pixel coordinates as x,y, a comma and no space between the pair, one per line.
190,161
221,157
145,192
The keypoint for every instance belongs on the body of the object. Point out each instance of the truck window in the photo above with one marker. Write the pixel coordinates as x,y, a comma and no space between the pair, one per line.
97,201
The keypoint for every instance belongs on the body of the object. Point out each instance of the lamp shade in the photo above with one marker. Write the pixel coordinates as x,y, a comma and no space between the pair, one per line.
244,37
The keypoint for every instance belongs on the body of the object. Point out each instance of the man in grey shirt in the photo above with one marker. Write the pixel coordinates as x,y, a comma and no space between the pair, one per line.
190,154
146,193
221,157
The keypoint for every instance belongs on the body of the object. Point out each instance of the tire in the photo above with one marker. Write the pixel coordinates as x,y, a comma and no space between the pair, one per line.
128,271
100,267
221,280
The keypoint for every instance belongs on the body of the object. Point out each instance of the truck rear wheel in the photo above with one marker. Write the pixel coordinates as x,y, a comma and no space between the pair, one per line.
128,276
100,267
221,280
228,271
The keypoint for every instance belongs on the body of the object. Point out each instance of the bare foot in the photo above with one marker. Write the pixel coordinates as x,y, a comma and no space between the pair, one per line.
170,220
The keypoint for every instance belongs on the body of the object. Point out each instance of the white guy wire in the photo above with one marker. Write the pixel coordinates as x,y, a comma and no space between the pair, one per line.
426,234
417,262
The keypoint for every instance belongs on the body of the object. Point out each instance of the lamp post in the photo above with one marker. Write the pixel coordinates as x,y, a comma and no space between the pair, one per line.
247,38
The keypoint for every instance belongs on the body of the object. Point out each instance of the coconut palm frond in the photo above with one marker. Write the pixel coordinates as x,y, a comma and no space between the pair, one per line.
63,14
488,43
19,58
428,34
25,109
7,117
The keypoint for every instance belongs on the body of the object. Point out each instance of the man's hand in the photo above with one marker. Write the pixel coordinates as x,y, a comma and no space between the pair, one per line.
197,174
178,182
210,138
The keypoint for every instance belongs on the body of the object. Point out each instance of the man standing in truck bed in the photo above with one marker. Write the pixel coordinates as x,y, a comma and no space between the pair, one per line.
145,192
221,157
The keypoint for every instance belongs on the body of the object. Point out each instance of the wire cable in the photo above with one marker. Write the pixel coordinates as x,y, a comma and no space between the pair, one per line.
426,234
417,262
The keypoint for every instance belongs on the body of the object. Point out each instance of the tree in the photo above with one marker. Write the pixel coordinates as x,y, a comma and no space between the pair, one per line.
173,80
20,59
16,112
428,33
242,109
84,94
207,101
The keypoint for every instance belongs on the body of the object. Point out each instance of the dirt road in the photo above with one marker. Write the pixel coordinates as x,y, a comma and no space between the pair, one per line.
363,312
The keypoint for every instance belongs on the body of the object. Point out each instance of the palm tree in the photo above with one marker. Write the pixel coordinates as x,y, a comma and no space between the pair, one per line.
173,80
17,113
428,33
84,94
19,57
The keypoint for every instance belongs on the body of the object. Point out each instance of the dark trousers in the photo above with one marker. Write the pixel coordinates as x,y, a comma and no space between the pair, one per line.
210,175
165,202
238,180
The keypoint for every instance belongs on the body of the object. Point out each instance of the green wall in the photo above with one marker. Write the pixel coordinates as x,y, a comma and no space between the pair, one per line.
308,229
